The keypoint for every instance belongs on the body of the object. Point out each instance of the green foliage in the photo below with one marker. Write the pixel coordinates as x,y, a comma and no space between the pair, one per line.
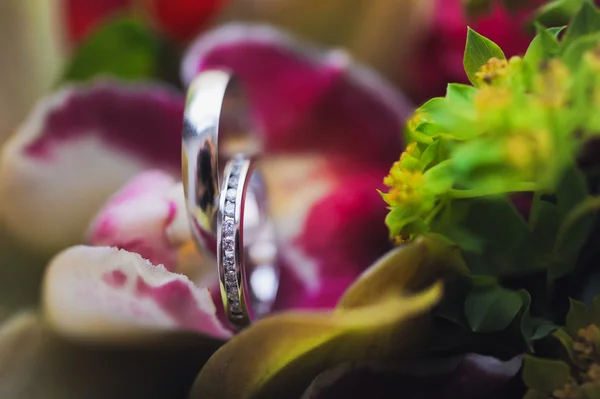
543,375
514,134
477,52
491,308
558,12
124,48
577,373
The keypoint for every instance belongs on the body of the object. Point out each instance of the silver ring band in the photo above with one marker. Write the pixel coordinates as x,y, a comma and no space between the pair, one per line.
217,140
246,255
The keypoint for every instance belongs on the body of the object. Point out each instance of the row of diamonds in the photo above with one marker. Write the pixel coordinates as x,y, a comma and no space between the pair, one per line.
228,240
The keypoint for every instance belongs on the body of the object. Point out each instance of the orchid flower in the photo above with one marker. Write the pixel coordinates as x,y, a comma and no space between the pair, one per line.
93,176
92,179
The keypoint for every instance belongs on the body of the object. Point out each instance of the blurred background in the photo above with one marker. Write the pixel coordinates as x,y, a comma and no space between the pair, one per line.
416,44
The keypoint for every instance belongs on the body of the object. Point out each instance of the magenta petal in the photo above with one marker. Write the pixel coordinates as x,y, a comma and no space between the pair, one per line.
137,218
102,293
343,233
77,147
305,99
145,121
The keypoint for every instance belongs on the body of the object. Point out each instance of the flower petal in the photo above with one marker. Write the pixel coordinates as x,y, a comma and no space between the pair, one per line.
283,353
148,216
36,363
106,294
83,16
272,356
330,220
314,101
182,19
77,148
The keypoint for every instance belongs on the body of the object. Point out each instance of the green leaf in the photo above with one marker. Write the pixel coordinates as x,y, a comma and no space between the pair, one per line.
567,342
544,221
572,236
573,55
505,241
477,53
399,217
543,328
440,177
585,22
527,328
123,48
491,309
430,154
577,317
572,190
460,95
558,12
544,375
544,46
594,312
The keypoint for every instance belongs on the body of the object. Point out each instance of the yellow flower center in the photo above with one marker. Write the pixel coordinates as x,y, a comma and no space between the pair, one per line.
493,70
406,187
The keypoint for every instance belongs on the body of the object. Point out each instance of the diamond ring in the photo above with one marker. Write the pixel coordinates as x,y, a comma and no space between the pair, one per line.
226,197
246,253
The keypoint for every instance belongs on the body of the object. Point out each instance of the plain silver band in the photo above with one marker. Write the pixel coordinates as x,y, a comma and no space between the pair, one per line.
216,131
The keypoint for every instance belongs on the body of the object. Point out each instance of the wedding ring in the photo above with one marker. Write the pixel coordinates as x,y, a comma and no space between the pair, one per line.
219,147
246,254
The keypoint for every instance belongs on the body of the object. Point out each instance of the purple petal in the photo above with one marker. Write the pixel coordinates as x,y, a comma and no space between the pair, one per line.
80,145
305,99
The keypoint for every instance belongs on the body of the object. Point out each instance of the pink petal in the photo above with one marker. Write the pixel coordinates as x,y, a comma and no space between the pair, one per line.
305,99
102,293
148,216
331,227
136,218
78,147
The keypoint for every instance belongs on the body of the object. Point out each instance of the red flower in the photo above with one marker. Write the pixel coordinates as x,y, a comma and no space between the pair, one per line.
178,19
182,19
82,16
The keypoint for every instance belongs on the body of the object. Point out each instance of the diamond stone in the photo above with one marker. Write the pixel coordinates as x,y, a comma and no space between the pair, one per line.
230,276
235,306
228,244
231,285
228,263
229,256
232,293
233,180
228,227
231,194
229,208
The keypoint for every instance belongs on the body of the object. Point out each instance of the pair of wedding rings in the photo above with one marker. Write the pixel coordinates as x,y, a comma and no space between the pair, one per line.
226,196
